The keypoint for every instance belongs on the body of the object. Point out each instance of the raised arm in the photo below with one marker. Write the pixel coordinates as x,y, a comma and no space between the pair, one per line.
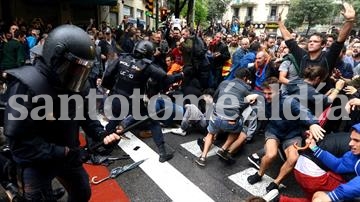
284,31
349,15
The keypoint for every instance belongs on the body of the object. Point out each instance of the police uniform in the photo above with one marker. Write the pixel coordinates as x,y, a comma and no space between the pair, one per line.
132,72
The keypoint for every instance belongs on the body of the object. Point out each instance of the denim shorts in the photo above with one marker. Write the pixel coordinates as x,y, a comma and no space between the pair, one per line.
284,143
216,125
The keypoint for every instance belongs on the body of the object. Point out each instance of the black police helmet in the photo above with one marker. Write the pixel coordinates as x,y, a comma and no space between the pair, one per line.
69,52
144,49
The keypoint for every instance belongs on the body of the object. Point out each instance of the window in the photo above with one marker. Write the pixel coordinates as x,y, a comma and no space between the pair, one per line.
236,12
113,19
139,14
273,11
129,11
249,12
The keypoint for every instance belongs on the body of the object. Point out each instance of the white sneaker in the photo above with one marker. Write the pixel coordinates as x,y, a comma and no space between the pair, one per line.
271,196
178,131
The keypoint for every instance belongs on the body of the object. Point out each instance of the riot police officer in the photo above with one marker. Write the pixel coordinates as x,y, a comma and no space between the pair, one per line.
131,72
47,145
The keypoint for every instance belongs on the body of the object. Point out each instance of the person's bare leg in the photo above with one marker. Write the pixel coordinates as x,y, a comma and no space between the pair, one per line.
235,146
291,157
271,147
208,142
229,140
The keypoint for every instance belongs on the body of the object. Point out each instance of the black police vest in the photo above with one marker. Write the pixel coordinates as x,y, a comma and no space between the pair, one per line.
130,76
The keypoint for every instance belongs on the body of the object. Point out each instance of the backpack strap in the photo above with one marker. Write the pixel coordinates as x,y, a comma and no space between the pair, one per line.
293,61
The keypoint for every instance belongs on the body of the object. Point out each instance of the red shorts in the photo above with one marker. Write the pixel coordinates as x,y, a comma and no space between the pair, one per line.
327,182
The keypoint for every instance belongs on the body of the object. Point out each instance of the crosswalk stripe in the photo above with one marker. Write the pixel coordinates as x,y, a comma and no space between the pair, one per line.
175,185
257,189
193,148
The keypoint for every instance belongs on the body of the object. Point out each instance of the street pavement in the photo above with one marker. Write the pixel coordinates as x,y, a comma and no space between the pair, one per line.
181,179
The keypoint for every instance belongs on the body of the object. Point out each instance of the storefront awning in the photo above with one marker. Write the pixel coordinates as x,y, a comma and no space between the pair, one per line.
96,2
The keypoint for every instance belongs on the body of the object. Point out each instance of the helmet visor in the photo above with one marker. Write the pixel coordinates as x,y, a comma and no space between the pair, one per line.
74,72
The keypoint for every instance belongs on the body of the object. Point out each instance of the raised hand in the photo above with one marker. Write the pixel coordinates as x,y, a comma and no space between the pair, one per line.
348,12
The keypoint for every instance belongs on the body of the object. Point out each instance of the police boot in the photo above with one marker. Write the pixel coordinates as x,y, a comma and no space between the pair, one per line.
163,155
12,192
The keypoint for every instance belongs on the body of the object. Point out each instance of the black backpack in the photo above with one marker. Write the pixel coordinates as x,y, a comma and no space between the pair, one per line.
199,48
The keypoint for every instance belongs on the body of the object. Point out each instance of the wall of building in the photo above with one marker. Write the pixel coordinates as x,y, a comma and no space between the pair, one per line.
135,9
261,13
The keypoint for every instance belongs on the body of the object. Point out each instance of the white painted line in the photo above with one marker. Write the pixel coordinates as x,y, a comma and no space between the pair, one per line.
194,148
166,130
257,189
175,185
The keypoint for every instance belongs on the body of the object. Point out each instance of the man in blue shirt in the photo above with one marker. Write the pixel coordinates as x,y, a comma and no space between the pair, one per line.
348,163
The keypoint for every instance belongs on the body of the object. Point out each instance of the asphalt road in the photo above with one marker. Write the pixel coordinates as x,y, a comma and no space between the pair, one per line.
215,182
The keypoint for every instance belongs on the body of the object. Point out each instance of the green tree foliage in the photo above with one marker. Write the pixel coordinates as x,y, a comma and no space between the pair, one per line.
216,9
312,11
356,5
201,11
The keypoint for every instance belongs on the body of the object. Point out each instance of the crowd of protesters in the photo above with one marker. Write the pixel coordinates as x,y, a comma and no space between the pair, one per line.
318,72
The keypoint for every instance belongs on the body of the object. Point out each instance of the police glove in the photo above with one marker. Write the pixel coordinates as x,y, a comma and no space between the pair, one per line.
77,156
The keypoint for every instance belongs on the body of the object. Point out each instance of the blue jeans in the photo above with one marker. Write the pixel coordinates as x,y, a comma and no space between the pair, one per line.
176,109
217,124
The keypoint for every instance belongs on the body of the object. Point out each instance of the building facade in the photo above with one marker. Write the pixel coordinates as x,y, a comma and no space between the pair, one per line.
78,12
262,14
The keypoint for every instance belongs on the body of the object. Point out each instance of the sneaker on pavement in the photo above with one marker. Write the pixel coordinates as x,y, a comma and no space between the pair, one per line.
252,179
255,160
272,186
224,154
272,196
201,161
178,131
201,143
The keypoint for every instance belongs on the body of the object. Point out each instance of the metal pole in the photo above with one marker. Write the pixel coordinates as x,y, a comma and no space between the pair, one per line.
193,14
156,14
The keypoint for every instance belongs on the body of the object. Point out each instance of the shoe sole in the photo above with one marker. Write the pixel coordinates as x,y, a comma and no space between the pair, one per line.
253,163
200,164
181,134
223,157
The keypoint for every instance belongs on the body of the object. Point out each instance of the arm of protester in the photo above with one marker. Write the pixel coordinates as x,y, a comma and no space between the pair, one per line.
251,99
282,78
284,31
317,131
350,90
338,87
297,52
347,191
352,104
336,164
349,14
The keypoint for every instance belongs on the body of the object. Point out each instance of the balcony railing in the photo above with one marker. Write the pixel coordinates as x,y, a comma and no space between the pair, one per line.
243,2
271,18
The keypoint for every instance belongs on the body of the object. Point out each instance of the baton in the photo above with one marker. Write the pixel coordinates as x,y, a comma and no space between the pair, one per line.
121,134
